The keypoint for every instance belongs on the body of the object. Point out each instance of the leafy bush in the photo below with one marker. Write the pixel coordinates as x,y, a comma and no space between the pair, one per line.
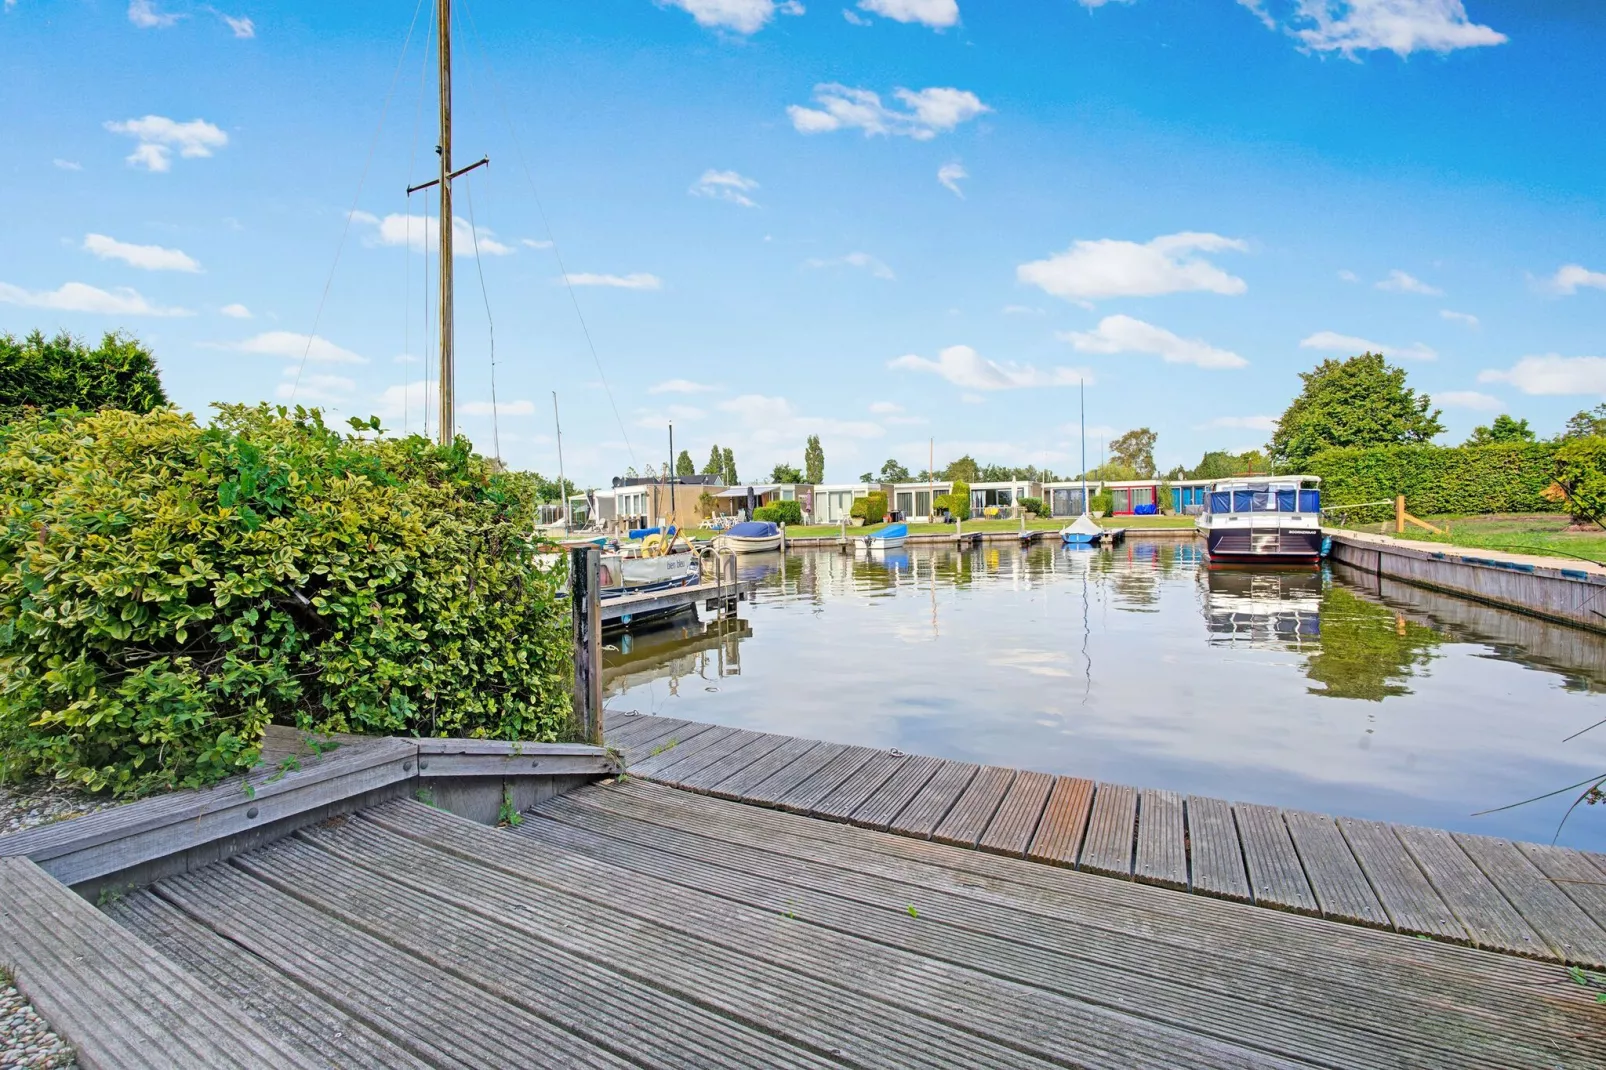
780,513
1102,501
960,499
64,373
1033,505
1505,478
1581,475
167,590
872,508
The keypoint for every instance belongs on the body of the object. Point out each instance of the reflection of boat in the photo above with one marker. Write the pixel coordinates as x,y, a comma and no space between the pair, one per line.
888,538
750,537
1270,607
1083,531
1263,520
673,652
896,558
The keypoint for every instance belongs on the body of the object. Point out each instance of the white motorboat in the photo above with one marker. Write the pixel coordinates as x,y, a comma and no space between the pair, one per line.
890,537
750,537
1263,520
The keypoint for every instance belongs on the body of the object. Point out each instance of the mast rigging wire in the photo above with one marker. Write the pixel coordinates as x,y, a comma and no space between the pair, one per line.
490,327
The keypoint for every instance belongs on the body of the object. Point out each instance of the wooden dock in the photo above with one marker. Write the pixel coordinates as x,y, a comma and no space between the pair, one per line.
653,605
1526,899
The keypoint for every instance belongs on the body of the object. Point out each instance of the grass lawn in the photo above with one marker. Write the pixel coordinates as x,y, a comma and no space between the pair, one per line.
1133,523
1540,533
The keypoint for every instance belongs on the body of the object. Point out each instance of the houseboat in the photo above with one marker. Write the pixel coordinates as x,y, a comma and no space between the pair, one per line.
1263,520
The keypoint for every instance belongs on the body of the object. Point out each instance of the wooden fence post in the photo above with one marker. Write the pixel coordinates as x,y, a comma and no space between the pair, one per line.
586,614
1399,514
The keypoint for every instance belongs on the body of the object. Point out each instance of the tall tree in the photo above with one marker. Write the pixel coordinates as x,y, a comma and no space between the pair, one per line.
64,373
963,468
1220,464
684,465
716,463
1135,449
729,462
893,472
1503,429
1587,422
785,473
1362,401
867,477
814,461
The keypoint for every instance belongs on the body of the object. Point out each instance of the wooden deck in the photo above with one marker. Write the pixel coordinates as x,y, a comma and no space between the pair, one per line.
1533,900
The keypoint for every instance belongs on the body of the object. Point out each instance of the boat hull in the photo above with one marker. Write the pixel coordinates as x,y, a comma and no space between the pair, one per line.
1277,547
885,544
741,544
640,575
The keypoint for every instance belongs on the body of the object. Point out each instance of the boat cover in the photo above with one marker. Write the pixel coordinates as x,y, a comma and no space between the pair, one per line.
1083,525
642,533
753,529
891,531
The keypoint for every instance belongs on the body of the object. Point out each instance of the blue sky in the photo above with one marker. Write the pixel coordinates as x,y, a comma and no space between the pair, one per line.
881,221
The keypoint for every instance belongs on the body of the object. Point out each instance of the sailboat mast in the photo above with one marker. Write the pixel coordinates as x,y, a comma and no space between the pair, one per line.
448,422
1082,384
563,486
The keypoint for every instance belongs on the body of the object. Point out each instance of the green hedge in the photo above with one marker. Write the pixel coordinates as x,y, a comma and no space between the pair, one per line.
1504,478
782,512
168,590
872,508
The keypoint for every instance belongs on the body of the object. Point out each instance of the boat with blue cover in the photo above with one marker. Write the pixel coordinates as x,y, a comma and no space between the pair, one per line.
1263,520
1083,531
750,537
888,538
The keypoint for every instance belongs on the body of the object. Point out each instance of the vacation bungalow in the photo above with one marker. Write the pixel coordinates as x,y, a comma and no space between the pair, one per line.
1133,497
912,501
1065,499
733,500
999,498
833,502
640,503
1188,496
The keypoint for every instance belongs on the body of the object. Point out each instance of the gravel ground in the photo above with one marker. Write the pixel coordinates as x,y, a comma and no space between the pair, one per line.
39,802
25,1040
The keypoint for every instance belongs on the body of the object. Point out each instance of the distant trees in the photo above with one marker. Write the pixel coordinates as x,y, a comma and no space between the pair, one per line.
1586,422
1135,449
1503,429
813,461
64,373
893,472
729,463
1362,401
785,473
684,465
1223,464
964,469
715,465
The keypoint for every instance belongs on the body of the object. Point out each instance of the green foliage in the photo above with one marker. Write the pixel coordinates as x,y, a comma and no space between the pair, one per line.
1581,473
867,477
1135,449
872,508
64,373
1003,473
728,462
785,473
1438,480
1221,464
780,513
959,500
684,465
1033,505
1113,470
1101,501
1504,429
1586,422
1368,651
715,465
892,472
1362,401
814,461
965,468
167,590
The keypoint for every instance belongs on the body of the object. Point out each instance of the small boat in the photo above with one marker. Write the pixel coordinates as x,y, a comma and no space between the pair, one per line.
1263,520
888,538
1083,531
654,560
750,537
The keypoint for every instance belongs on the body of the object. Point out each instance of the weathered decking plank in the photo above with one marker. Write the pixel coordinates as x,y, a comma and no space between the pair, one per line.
1275,876
933,802
896,792
738,784
1341,889
785,780
687,755
620,728
732,763
1218,858
973,813
1059,835
1110,831
1162,854
1550,911
1012,828
1574,873
849,778
1478,905
1405,893
670,747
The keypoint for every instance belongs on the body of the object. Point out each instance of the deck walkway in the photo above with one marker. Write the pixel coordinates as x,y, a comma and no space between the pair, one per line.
1525,899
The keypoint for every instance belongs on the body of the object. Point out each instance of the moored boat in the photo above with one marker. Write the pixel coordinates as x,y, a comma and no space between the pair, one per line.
1083,531
888,538
750,537
1274,520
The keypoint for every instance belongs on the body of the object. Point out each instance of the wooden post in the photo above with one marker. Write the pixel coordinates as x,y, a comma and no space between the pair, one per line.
783,536
584,584
1399,514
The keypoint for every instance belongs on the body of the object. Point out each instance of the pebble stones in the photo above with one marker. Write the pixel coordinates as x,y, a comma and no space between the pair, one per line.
40,802
26,1042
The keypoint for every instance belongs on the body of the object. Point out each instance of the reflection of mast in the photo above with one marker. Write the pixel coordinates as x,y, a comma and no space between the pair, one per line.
933,571
1087,632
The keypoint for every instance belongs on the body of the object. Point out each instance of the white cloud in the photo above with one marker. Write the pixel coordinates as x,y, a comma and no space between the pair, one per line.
1399,282
149,257
1551,373
1090,4
1333,342
680,386
773,420
158,136
930,111
421,233
409,402
659,418
535,243
292,346
1459,317
949,175
502,408
639,280
1567,279
743,16
242,27
965,368
1123,334
1345,274
81,297
1468,399
885,408
725,186
934,13
329,389
143,13
236,312
67,165
1400,26
1108,267
848,13
863,261
1244,423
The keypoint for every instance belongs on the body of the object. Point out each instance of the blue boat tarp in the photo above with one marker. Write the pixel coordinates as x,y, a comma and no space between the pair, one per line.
753,529
1145,510
891,531
642,533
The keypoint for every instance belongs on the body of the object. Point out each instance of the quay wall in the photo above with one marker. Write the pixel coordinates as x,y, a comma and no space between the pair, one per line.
1550,588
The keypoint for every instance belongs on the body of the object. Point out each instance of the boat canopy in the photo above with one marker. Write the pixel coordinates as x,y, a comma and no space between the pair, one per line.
753,529
1083,525
642,533
891,531
1265,498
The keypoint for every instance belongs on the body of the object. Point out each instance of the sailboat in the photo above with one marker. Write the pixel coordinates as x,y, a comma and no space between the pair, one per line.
1084,530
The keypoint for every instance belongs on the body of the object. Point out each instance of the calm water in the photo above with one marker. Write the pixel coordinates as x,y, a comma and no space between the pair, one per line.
1323,691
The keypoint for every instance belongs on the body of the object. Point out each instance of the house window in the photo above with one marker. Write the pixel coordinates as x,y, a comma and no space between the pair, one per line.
788,494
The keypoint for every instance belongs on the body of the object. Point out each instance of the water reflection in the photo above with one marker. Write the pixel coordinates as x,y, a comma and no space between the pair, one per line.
1323,690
